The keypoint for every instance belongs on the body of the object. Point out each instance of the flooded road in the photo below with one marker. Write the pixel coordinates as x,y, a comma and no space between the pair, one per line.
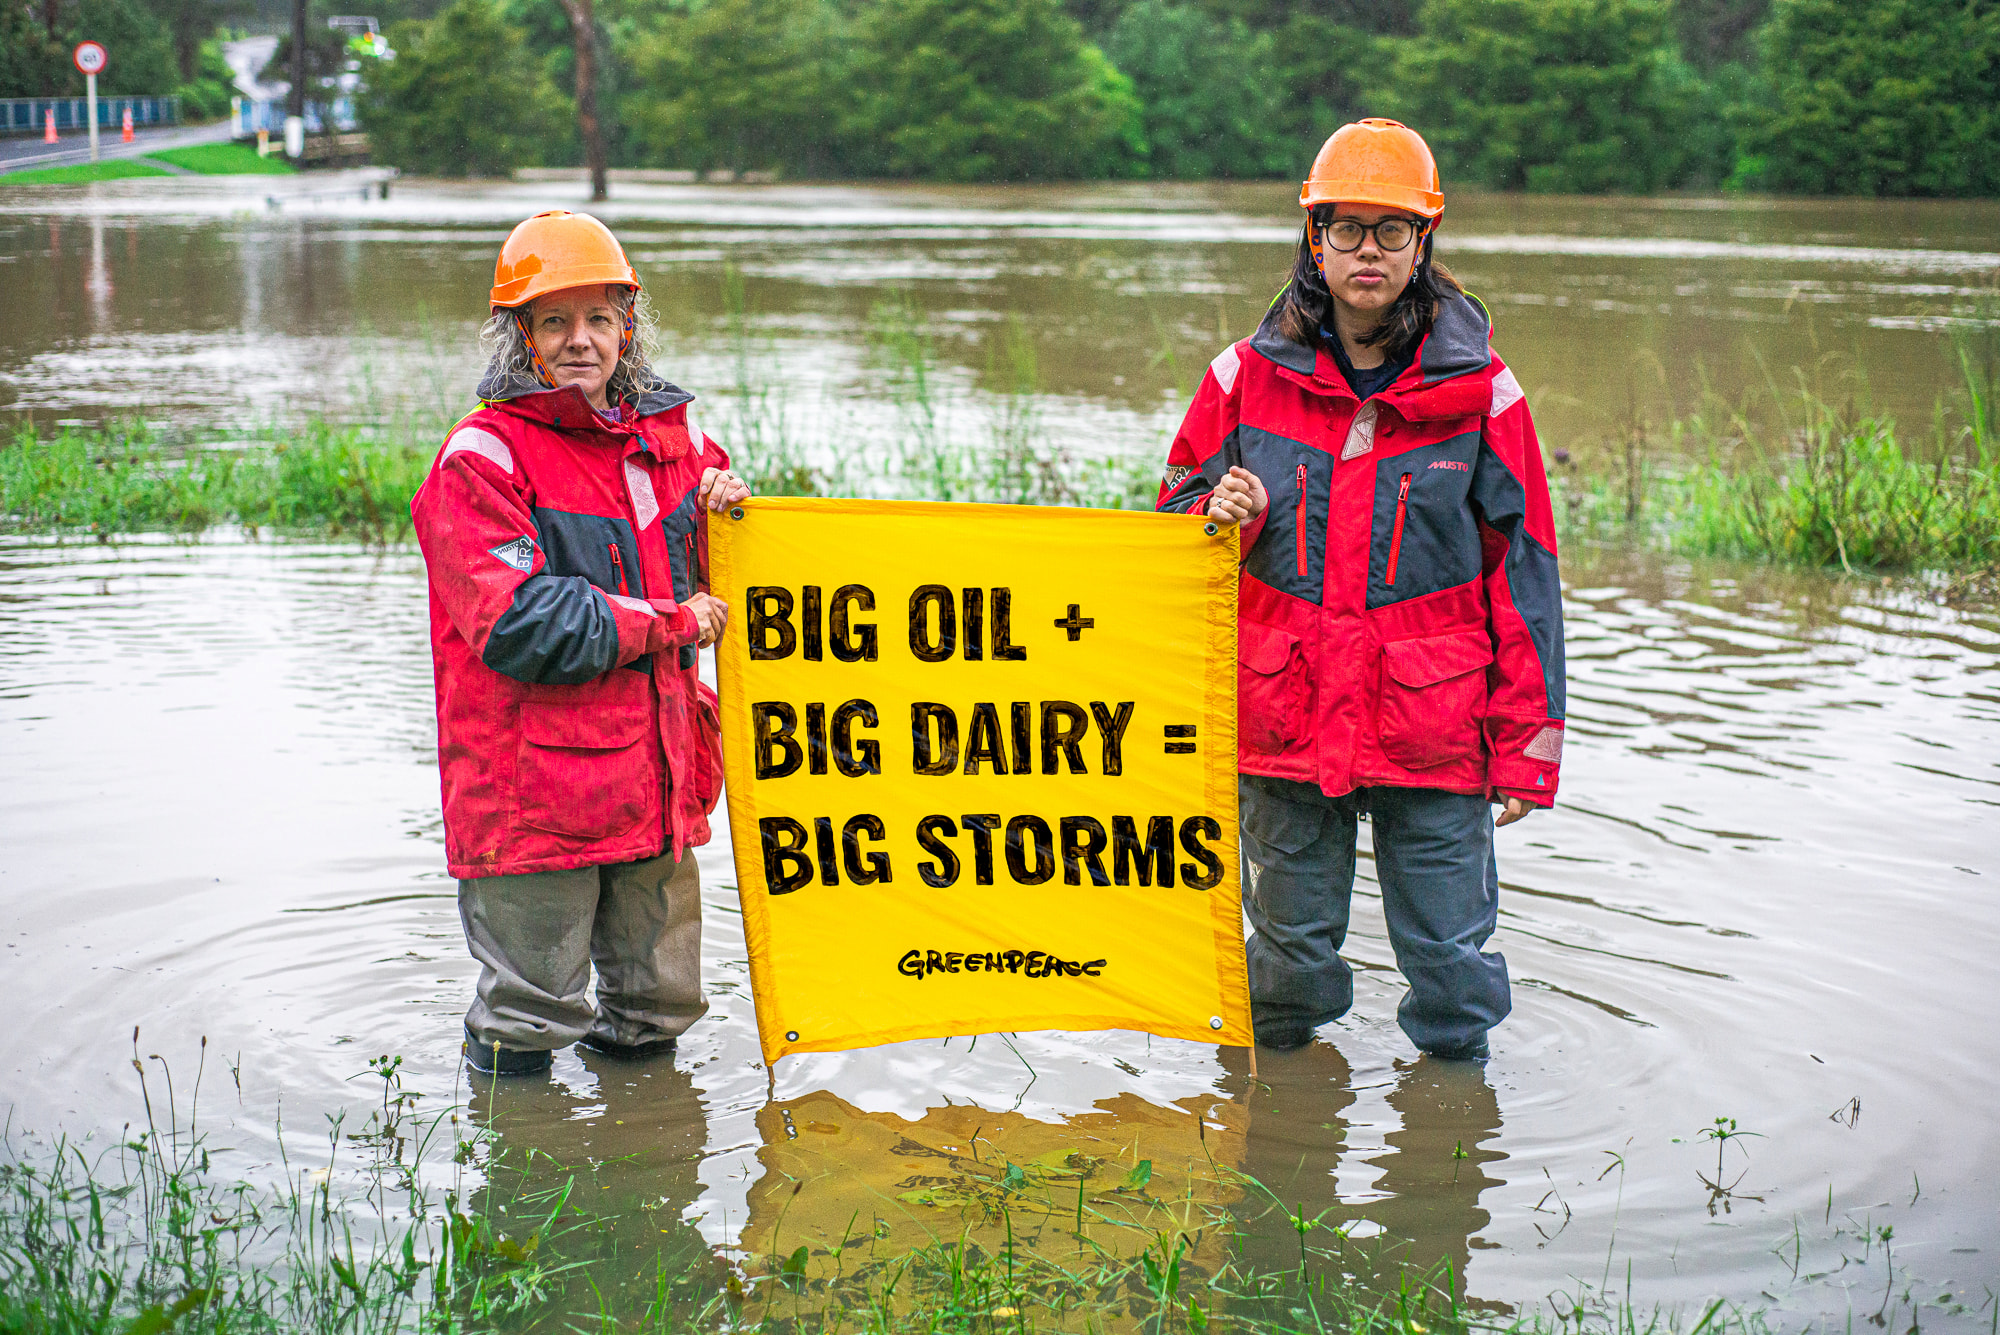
246,301
1769,895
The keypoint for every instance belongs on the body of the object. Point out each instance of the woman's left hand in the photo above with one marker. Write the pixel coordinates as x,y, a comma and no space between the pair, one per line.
1517,807
720,488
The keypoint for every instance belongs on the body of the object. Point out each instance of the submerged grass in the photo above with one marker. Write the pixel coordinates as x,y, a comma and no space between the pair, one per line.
147,1236
129,478
1805,479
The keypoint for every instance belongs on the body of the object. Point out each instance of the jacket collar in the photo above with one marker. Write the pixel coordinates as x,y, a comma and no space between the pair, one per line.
1452,368
526,397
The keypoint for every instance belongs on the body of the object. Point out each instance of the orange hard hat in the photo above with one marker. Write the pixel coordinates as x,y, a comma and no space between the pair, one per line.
555,250
1375,161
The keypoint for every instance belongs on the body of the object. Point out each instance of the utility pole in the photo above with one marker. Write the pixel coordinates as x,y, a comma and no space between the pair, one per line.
295,104
583,31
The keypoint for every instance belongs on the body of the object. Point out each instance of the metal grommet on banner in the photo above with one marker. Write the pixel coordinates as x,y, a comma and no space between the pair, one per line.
1210,530
735,512
792,1035
1215,1022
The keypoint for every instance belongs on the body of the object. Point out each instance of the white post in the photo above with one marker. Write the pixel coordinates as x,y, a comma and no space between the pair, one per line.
295,137
90,91
236,117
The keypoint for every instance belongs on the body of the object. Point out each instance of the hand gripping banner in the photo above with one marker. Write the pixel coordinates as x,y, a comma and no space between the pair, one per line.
981,763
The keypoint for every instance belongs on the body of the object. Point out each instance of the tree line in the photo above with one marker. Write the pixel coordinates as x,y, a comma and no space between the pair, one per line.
1890,97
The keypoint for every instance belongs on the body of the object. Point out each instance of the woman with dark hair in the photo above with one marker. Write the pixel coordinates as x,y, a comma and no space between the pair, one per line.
1399,620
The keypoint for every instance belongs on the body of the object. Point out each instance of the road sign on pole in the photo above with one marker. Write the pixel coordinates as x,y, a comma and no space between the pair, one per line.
91,58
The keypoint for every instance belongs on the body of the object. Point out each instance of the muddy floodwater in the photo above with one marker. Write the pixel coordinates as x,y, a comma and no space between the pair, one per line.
1768,894
1771,892
242,302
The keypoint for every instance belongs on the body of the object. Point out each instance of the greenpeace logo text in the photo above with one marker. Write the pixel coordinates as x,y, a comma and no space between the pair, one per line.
1027,963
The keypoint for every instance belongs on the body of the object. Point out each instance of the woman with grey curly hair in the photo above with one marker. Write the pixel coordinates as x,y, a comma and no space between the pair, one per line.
564,530
511,354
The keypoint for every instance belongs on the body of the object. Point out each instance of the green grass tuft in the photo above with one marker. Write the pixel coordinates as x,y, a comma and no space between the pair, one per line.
230,159
112,169
125,478
1805,480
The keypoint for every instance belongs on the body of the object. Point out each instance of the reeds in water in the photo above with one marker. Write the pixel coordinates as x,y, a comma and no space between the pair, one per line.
422,1222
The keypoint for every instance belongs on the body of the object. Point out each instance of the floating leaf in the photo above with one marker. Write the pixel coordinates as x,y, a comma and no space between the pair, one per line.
795,1264
1140,1176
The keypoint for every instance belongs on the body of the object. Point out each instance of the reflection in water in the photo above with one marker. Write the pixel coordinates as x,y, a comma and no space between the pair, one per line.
843,1183
615,1165
1437,1166
1425,1202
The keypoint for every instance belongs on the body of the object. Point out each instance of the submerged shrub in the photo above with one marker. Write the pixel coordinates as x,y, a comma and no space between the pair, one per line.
1847,493
124,479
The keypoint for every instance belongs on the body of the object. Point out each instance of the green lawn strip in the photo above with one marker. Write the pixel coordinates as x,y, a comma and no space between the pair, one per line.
113,169
225,160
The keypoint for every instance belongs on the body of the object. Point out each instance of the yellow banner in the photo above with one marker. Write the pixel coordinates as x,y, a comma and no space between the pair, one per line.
981,765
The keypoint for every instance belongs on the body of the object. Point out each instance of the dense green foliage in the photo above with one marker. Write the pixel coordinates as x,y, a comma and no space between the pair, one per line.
974,90
1894,97
156,46
1901,97
742,82
1578,96
464,97
1210,108
955,90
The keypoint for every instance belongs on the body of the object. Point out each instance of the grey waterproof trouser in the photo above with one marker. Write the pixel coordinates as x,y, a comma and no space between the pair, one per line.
537,936
1440,893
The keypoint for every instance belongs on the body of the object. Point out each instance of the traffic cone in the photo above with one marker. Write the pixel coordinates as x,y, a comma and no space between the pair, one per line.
49,126
127,135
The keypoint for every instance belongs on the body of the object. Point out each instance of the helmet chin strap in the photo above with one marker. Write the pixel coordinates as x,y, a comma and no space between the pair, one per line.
534,356
625,336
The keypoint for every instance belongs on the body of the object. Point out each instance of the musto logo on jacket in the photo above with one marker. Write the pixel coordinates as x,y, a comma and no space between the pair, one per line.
561,544
1400,617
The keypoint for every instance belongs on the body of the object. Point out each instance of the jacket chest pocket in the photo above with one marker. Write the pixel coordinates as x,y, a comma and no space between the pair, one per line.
1271,689
1433,697
584,774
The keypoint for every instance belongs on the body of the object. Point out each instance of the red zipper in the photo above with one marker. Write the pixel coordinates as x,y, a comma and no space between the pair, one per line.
618,561
694,563
1396,536
1299,521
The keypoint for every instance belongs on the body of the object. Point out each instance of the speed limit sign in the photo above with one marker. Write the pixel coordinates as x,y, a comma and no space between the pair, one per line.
90,58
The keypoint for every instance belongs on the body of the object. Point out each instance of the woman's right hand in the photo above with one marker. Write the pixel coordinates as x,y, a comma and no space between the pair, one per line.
1239,498
711,615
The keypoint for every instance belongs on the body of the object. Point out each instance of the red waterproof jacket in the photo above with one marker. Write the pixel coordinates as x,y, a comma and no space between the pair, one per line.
1400,616
560,546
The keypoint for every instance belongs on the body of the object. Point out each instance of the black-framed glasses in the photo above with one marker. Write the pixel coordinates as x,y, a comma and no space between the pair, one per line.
1391,234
